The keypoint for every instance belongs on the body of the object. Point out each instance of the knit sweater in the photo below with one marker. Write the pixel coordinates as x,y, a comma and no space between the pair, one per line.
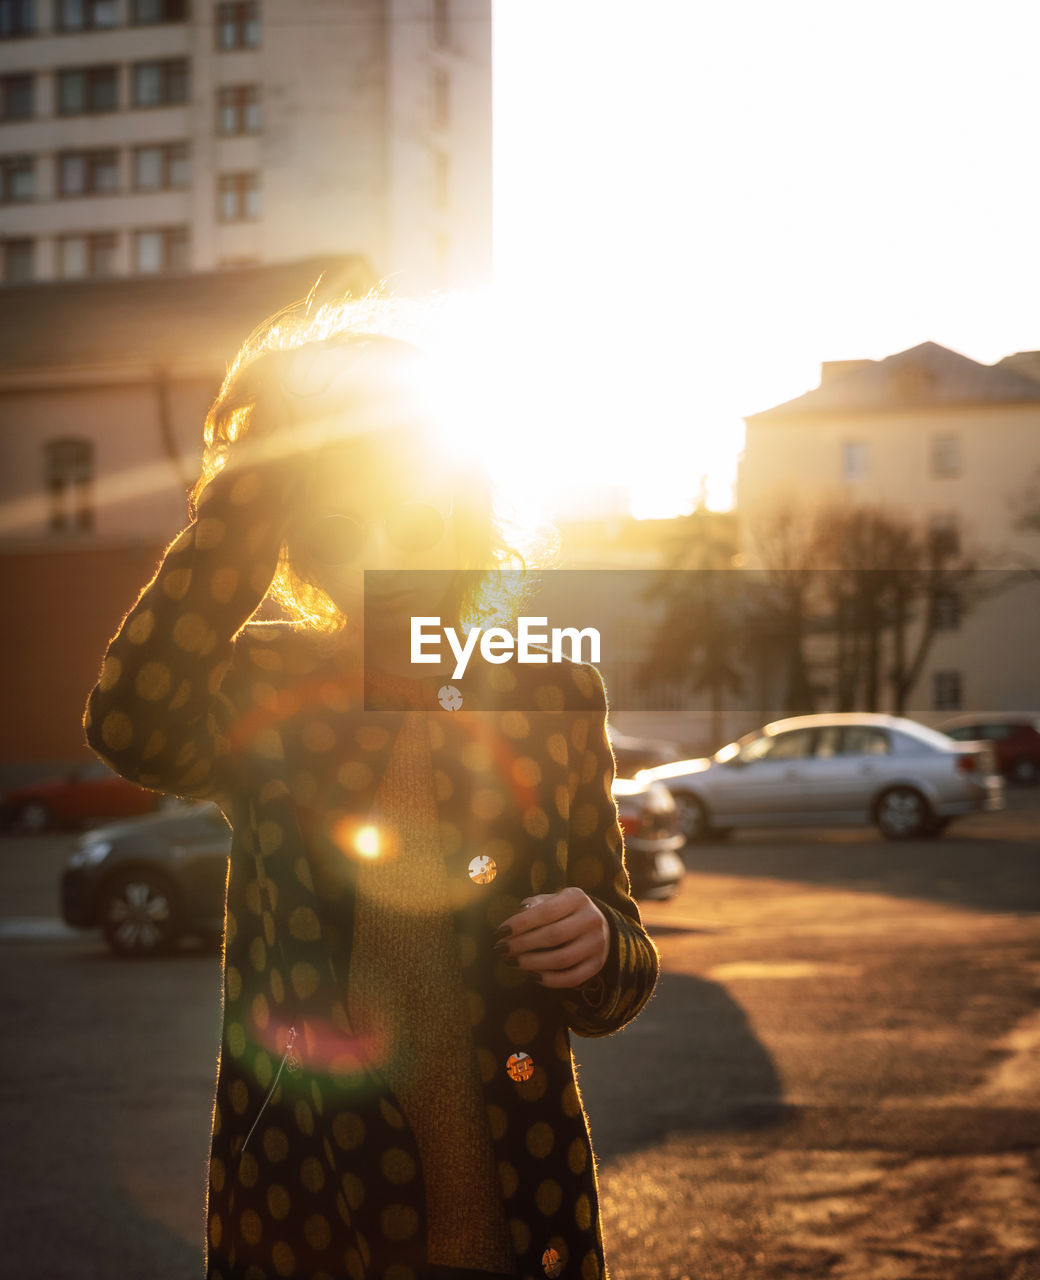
405,994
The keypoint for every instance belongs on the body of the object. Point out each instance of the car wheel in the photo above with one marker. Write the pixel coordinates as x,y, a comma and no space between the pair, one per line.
138,913
33,818
902,813
1025,772
692,817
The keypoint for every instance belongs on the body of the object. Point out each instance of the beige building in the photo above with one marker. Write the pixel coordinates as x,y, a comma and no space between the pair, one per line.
951,442
142,137
172,172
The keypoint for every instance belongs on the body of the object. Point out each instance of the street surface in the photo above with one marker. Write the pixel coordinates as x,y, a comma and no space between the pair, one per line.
837,1077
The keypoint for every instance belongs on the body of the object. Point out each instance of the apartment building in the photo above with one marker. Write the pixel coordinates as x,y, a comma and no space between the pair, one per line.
950,442
150,137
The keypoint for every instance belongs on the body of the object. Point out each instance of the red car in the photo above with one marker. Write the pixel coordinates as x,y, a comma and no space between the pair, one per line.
81,797
1015,737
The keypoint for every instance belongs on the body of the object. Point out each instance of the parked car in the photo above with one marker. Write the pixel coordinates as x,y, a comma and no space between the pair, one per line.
1015,739
150,881
653,841
633,754
84,795
847,768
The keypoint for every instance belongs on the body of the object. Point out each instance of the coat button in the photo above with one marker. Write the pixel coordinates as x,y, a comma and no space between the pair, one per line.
449,697
482,869
520,1066
552,1263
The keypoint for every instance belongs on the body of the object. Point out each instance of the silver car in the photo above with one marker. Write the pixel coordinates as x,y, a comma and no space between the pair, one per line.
846,768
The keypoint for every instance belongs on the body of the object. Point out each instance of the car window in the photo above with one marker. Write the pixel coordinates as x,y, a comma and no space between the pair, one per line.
995,732
864,740
753,749
963,732
828,741
796,744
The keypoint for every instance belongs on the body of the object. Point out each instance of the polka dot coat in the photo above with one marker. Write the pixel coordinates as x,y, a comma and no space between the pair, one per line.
314,1171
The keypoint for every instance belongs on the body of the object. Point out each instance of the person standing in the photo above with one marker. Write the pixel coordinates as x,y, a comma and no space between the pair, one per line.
427,892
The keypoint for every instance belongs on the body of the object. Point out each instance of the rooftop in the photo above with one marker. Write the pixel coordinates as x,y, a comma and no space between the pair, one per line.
194,321
926,376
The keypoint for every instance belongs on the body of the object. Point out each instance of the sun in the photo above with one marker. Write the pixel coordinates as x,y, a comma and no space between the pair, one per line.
481,381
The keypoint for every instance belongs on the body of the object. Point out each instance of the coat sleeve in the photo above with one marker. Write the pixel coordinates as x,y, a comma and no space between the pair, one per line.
161,714
596,864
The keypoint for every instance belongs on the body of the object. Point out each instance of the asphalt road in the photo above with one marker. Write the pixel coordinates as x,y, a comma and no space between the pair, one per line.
837,1077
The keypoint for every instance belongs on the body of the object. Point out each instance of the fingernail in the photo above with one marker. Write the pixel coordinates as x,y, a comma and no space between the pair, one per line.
503,931
502,946
513,960
537,977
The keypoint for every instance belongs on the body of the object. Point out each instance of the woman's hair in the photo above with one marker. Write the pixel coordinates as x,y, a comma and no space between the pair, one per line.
495,572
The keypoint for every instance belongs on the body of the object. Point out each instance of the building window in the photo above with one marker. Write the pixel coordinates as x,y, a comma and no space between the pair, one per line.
944,537
946,456
16,18
80,257
238,109
69,466
441,180
239,197
441,28
854,460
18,256
149,13
946,690
161,84
88,173
17,97
947,610
86,15
238,25
17,179
161,249
88,89
160,168
441,100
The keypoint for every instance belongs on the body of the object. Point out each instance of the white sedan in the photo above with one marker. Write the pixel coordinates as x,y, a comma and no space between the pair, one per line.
839,769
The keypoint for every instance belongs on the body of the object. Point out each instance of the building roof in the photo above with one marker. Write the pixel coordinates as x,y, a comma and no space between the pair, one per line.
924,377
186,322
1025,362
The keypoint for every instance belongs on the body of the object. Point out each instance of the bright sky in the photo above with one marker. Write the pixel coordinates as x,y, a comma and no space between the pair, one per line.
697,201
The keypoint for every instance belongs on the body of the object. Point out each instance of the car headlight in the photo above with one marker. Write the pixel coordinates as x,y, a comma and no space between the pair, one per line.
90,853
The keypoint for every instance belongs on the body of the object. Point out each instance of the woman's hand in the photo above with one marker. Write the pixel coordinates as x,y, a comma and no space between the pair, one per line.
561,939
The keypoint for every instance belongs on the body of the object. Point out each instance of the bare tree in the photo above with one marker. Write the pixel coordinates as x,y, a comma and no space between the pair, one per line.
842,598
877,584
781,604
893,586
696,643
1025,506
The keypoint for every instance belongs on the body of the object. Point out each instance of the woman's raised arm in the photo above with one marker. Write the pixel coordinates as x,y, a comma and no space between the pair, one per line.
160,713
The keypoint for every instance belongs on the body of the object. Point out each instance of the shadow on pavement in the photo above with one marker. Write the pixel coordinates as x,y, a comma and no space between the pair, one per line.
689,1061
974,871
